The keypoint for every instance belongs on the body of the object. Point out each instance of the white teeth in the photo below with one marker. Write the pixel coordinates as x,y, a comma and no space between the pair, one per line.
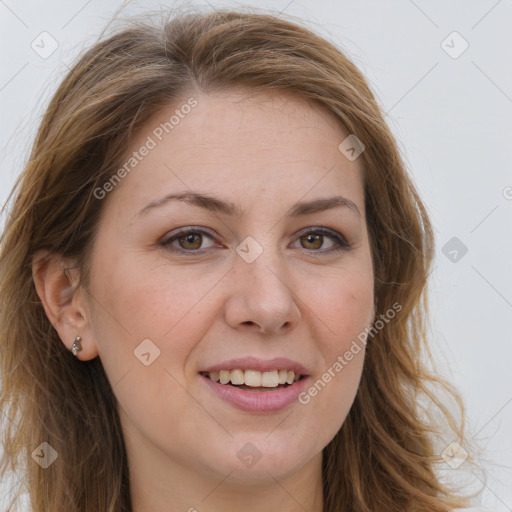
237,377
225,376
255,378
270,379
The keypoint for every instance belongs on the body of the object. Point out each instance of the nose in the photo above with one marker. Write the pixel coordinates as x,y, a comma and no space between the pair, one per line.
262,297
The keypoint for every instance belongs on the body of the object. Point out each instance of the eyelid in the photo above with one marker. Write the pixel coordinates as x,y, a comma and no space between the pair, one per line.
174,235
341,242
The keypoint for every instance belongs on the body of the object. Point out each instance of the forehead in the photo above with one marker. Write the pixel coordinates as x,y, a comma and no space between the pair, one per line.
241,119
264,145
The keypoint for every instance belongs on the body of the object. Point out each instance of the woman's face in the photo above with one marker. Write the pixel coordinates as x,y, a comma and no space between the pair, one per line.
250,278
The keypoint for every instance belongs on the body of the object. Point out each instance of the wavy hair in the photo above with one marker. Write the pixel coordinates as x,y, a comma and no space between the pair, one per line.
384,455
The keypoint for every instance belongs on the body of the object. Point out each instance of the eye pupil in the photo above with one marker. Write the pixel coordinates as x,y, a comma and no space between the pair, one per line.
190,239
314,238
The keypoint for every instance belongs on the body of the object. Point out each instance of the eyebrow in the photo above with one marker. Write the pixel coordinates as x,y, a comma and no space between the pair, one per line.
230,209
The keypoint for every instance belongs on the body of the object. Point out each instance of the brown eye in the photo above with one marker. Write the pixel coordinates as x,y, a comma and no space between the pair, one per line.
191,241
312,241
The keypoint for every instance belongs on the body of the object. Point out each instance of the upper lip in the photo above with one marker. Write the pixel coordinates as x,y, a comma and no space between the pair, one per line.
262,365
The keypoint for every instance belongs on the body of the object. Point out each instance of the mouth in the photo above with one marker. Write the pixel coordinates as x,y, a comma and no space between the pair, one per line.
255,385
255,380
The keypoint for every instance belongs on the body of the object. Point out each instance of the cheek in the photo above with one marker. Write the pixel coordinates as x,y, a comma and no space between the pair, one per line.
154,315
344,306
343,310
144,300
146,323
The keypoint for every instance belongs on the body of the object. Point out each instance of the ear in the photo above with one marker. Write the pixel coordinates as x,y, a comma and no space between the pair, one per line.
64,304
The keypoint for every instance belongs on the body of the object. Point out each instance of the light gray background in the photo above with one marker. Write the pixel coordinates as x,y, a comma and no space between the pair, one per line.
452,117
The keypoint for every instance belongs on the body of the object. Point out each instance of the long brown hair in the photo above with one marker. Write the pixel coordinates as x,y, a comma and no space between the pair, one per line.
383,457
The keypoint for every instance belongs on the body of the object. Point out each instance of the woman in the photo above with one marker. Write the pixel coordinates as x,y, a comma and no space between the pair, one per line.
214,281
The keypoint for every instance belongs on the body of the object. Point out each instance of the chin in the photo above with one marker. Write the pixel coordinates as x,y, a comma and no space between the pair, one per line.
260,460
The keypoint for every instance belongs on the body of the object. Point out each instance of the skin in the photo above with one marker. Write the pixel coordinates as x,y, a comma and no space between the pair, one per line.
264,152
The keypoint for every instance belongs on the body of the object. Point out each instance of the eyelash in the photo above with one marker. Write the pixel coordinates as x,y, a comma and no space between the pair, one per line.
342,244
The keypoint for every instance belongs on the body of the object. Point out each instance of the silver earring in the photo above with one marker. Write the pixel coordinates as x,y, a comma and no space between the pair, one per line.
77,346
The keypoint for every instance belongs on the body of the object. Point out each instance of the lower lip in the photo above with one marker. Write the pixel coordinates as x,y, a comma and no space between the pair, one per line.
257,401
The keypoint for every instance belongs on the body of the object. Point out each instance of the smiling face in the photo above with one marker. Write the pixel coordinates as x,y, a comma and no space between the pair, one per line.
204,283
